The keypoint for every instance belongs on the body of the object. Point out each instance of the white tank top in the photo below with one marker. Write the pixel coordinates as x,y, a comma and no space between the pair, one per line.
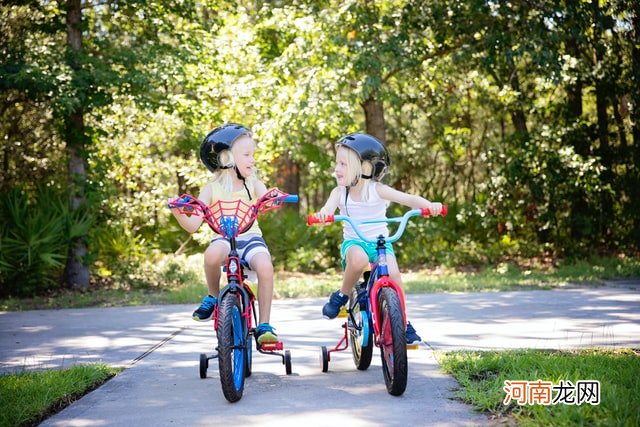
374,208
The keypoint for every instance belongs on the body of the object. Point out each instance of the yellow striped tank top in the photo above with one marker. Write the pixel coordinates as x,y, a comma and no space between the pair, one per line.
218,193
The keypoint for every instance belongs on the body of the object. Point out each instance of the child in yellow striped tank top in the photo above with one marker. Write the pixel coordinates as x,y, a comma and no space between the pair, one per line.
228,151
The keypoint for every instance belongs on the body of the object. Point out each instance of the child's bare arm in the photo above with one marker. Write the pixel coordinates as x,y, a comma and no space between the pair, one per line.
191,223
330,206
410,200
260,188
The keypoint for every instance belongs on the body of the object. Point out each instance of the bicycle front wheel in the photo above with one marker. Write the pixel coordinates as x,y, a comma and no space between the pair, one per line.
393,342
232,347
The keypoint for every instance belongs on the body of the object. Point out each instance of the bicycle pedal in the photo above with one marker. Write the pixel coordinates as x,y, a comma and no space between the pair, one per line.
413,346
343,311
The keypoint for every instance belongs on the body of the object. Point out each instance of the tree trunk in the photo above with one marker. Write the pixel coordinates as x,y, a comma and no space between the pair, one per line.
635,85
76,273
574,102
288,179
604,149
517,113
580,218
374,118
634,189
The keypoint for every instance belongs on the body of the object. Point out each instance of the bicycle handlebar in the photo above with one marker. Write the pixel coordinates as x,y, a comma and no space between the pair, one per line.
403,220
231,217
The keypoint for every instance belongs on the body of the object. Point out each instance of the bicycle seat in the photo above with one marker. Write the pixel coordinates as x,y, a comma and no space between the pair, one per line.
251,275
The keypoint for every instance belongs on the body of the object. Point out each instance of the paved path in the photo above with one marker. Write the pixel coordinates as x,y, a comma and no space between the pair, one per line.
160,345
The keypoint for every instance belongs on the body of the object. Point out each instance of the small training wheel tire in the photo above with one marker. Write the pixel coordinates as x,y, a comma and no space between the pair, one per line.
204,365
287,361
324,359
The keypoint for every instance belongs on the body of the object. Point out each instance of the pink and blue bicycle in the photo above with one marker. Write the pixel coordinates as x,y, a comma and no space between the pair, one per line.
376,314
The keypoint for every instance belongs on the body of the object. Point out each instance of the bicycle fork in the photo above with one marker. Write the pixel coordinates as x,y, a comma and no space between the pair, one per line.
384,282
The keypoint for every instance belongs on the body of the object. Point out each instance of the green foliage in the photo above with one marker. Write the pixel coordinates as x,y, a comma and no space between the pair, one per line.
525,131
531,196
298,247
35,236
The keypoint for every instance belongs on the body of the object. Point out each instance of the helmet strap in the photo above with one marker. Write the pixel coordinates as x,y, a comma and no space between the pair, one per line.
244,181
346,197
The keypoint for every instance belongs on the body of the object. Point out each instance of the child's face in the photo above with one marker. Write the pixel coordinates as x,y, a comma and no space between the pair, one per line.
244,150
341,167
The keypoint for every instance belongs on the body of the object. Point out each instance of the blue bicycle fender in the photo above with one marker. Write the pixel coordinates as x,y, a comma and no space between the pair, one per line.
365,328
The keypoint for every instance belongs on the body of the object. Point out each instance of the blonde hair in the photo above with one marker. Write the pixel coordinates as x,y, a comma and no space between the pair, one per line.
355,169
226,160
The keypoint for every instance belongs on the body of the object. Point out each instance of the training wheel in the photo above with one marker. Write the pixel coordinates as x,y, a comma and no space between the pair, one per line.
287,361
204,365
324,359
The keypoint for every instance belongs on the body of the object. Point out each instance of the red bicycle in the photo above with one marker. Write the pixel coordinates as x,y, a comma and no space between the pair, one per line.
235,314
376,311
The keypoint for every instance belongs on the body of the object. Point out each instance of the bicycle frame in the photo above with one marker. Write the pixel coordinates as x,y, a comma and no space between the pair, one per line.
383,281
234,314
236,284
379,305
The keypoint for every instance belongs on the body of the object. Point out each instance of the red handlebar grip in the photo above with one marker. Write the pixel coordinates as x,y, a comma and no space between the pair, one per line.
427,212
313,220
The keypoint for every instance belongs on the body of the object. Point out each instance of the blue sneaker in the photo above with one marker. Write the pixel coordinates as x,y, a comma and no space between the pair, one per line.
265,334
205,311
412,335
332,308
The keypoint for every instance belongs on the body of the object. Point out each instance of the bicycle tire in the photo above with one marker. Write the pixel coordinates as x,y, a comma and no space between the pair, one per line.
250,338
248,359
232,347
393,342
204,365
360,334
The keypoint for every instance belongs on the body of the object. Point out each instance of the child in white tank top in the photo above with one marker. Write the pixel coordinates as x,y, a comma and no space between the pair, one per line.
361,162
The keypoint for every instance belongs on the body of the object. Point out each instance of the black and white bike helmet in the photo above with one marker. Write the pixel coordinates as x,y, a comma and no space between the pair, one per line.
218,140
368,148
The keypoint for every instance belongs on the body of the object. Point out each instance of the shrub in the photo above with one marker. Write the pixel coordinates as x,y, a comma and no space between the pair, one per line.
34,239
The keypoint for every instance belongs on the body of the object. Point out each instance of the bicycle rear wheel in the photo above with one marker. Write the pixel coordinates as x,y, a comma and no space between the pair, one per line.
393,342
232,347
361,332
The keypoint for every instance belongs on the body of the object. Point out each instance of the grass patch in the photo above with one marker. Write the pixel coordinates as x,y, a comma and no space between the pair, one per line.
511,276
180,280
482,375
27,398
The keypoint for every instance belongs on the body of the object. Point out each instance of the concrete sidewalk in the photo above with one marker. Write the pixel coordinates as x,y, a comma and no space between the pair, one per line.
160,346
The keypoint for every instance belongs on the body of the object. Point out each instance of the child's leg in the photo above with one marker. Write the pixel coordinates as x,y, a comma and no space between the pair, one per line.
356,260
262,265
214,257
394,271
